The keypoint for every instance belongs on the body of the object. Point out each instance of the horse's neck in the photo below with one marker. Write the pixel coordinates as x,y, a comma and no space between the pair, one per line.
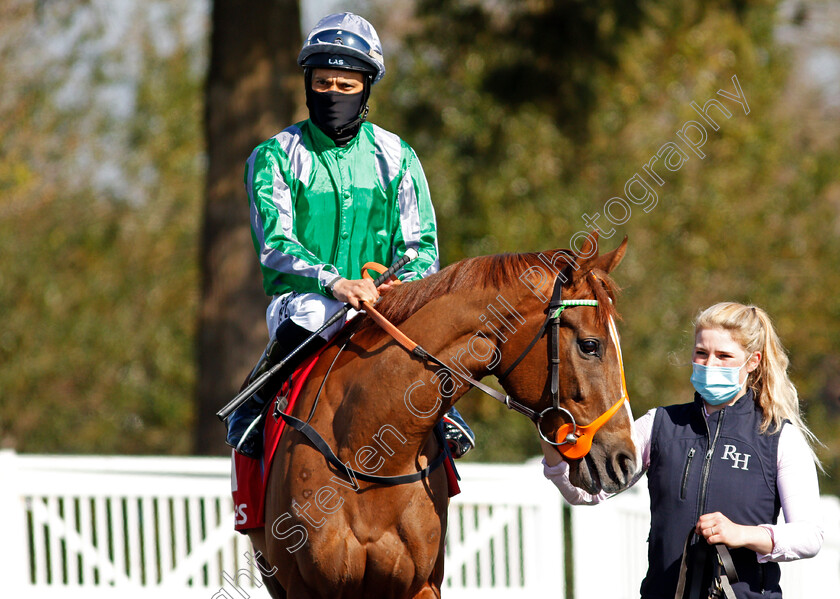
406,396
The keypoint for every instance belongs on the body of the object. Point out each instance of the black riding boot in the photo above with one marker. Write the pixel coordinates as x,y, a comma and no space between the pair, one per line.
244,425
457,433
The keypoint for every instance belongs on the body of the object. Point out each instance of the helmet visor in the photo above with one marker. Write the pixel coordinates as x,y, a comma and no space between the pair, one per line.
342,37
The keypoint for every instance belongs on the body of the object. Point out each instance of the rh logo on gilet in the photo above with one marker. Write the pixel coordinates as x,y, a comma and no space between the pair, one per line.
740,460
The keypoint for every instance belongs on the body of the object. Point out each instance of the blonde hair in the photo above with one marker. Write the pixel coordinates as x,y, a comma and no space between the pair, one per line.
775,394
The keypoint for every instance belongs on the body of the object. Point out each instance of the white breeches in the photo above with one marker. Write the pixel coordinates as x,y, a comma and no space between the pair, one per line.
307,310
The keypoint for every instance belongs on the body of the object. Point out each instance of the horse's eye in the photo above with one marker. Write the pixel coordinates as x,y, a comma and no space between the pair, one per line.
589,346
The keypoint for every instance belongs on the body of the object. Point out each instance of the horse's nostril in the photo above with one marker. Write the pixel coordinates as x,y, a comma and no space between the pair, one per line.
621,468
625,467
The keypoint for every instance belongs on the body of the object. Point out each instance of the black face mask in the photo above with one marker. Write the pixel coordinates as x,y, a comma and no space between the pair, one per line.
338,115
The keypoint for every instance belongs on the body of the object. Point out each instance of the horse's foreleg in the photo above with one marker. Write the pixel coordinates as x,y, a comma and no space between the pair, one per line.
257,536
429,591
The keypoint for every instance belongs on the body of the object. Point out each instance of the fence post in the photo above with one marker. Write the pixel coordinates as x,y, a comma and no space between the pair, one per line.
550,539
14,548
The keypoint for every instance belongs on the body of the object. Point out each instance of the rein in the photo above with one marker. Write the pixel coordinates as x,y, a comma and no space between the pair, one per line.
576,439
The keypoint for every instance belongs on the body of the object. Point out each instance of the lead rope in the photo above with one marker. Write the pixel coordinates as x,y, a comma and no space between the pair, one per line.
725,575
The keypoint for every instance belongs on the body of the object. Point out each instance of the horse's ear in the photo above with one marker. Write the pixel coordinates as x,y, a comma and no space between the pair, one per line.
590,246
610,260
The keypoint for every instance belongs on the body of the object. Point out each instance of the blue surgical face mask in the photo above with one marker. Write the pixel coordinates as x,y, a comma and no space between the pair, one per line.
716,384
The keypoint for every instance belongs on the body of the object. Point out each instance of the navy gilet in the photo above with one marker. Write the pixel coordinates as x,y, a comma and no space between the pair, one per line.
699,466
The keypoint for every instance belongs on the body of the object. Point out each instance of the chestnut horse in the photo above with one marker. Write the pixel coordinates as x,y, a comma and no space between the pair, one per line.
331,535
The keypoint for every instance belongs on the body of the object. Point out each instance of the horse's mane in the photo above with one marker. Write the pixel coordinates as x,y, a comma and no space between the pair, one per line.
493,271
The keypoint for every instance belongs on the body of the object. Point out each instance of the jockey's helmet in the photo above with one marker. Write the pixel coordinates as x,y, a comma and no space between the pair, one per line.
344,41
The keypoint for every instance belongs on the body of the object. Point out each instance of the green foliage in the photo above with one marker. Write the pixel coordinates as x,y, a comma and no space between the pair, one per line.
98,282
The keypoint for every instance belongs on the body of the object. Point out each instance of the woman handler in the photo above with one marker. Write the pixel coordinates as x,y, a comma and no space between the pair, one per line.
726,462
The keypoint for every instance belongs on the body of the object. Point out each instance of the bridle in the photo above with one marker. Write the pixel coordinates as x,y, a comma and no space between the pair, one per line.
571,440
576,439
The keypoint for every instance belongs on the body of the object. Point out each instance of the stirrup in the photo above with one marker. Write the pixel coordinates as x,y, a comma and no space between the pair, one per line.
250,445
244,434
457,433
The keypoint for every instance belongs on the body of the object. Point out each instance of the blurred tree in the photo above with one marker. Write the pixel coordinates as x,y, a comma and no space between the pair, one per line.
253,86
100,160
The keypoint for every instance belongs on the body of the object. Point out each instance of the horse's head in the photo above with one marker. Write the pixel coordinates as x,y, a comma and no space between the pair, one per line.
565,365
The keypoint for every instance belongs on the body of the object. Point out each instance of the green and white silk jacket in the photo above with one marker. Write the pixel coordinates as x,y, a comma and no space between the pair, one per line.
319,211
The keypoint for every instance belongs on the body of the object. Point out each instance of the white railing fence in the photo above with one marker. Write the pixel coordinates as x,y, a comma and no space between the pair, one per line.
504,535
86,525
136,527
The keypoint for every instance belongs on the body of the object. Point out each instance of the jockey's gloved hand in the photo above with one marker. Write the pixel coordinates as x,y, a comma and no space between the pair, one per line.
355,291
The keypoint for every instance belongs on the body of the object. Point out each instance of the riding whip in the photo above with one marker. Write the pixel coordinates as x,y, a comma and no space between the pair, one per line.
256,384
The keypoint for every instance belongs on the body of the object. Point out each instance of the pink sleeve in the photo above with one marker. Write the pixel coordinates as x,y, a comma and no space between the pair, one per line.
800,536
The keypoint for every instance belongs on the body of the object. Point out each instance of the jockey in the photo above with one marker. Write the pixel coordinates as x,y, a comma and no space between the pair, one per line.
327,195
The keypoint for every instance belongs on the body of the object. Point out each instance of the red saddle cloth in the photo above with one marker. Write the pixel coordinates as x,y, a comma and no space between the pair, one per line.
249,476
